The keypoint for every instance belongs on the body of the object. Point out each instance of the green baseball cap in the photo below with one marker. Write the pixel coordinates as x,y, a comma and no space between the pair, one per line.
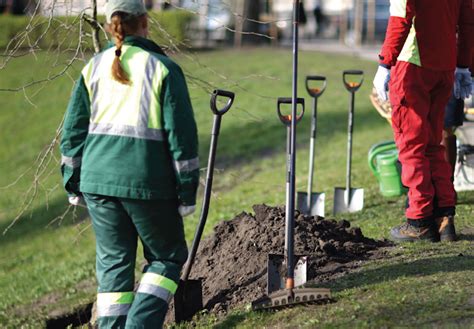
132,7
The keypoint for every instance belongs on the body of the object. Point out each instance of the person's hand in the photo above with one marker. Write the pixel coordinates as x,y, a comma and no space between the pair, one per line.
382,77
462,83
186,210
77,201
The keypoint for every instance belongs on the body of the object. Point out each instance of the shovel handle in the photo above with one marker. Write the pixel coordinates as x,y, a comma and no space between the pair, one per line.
222,93
286,119
315,91
353,86
210,174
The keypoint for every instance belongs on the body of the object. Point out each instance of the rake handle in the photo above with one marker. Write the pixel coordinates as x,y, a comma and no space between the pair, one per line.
290,198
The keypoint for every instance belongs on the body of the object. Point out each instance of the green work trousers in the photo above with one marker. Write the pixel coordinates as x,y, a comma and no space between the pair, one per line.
118,223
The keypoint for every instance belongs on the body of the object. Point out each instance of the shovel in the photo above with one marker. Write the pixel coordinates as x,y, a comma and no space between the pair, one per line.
281,290
188,296
312,203
350,199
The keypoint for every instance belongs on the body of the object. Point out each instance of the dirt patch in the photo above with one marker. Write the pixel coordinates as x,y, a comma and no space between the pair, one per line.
56,311
233,260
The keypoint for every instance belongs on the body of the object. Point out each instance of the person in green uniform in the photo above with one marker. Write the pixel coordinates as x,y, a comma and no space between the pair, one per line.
129,150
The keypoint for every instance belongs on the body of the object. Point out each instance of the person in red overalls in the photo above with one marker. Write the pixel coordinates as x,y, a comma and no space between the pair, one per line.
419,62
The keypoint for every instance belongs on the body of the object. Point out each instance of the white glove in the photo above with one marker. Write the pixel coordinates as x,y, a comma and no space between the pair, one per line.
382,77
186,210
462,83
77,201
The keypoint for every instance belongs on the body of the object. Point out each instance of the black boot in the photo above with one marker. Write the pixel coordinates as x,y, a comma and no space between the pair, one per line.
446,229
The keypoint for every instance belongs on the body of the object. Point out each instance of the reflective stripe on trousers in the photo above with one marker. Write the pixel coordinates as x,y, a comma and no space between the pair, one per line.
158,286
114,303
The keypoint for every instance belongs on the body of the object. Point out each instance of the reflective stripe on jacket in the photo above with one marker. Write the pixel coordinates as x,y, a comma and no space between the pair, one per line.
135,141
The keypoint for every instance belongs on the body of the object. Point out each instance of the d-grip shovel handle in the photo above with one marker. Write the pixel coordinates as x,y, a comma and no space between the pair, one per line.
210,174
315,92
223,93
286,119
351,85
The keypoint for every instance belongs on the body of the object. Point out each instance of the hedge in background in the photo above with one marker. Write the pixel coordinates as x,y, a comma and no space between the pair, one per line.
167,28
175,23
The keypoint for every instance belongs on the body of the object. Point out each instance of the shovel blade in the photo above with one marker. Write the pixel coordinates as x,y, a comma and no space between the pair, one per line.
283,298
277,269
316,206
354,204
187,300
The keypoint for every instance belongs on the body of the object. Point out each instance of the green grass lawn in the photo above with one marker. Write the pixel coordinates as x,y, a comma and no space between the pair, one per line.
47,257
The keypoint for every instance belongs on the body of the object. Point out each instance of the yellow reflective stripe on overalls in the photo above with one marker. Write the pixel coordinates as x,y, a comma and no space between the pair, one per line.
114,303
410,52
127,110
158,286
114,102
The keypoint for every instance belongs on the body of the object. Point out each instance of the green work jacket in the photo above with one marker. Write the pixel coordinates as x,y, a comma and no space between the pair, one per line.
136,140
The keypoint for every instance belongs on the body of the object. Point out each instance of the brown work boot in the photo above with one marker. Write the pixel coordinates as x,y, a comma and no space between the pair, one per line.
446,229
415,230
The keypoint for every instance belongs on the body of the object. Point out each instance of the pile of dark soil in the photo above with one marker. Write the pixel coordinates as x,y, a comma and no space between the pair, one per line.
233,260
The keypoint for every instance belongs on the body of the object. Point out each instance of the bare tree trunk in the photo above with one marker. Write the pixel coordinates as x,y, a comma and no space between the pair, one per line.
252,14
343,25
239,23
203,16
95,28
92,21
358,21
371,21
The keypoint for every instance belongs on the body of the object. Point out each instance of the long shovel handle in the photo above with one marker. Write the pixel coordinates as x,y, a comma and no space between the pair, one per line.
218,113
352,87
314,92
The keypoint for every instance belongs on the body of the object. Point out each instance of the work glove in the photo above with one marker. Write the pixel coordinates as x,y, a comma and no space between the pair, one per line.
186,210
462,83
382,77
77,201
